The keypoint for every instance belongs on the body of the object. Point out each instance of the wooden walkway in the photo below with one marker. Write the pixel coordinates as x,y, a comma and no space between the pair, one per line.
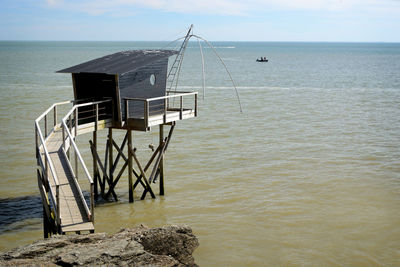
65,208
74,217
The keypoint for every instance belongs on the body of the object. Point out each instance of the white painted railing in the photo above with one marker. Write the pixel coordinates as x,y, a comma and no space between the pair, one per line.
146,102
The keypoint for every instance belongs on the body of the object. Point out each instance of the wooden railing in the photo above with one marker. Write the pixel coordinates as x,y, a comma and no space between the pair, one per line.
167,106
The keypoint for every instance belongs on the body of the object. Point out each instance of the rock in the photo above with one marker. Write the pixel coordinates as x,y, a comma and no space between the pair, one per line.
140,246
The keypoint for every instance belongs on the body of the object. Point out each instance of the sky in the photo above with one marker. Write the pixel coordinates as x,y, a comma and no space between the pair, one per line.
215,20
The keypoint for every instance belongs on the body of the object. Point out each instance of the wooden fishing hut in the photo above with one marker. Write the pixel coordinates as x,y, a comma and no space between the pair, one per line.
126,91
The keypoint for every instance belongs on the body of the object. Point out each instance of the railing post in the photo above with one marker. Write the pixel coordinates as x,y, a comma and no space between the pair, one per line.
46,169
97,116
63,133
76,164
146,113
195,105
76,134
36,143
45,126
58,219
70,124
126,111
165,110
70,131
55,116
76,122
181,107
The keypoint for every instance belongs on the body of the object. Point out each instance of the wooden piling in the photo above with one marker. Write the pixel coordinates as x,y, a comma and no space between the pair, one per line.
130,165
110,154
45,224
95,168
161,168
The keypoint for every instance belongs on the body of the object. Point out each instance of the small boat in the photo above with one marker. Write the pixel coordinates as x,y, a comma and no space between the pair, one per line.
261,60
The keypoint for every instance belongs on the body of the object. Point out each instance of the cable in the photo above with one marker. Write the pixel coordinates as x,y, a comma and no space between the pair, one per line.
202,69
226,68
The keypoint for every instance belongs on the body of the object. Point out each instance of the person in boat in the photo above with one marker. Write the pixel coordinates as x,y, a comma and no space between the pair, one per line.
265,59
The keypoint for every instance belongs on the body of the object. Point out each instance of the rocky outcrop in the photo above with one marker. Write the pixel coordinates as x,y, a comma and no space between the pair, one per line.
141,246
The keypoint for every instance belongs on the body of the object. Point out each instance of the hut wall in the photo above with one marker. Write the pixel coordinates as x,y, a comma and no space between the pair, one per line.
137,84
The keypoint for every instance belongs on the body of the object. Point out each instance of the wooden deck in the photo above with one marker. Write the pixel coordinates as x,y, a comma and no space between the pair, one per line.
172,115
74,217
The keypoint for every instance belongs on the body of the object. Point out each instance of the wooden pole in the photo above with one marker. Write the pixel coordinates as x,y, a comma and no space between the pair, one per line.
45,224
130,165
161,168
104,170
95,169
110,155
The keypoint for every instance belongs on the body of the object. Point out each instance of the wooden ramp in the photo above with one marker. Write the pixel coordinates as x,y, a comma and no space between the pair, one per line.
73,214
65,209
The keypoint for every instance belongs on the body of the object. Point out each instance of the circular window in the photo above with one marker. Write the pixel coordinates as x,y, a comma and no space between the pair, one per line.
152,79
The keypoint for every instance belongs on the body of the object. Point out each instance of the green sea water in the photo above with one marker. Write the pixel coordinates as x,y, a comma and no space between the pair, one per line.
307,175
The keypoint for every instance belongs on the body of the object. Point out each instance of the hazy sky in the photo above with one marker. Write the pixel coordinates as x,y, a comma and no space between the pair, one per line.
226,20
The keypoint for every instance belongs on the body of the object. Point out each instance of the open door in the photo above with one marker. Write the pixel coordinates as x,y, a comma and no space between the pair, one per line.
90,87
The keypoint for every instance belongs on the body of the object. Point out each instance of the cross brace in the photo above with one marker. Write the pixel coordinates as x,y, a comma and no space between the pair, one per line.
142,177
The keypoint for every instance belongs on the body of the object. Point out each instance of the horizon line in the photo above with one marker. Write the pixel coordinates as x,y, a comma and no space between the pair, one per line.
163,41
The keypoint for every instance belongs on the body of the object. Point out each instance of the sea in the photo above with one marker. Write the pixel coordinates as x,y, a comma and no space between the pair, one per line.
296,162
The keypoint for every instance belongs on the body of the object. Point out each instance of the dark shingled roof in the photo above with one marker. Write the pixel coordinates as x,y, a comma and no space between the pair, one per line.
120,62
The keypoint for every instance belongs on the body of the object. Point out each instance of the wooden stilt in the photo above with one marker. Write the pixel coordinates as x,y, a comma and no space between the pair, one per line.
97,178
95,169
111,188
104,170
48,226
161,168
45,224
130,165
110,154
105,166
107,181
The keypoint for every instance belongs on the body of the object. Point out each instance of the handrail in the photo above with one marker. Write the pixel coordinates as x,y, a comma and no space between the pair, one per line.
48,162
180,92
161,97
77,153
86,104
55,198
51,107
146,105
40,140
47,155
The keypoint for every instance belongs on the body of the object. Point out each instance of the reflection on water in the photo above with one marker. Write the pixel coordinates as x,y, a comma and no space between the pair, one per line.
15,212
